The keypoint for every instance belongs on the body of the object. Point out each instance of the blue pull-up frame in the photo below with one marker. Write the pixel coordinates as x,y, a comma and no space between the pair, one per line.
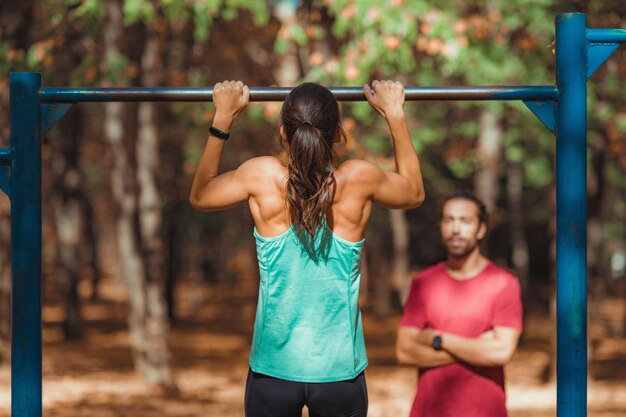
562,108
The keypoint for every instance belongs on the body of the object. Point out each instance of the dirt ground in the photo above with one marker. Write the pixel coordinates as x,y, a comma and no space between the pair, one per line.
94,377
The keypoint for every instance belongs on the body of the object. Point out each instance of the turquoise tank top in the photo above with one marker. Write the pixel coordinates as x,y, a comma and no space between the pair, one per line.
308,324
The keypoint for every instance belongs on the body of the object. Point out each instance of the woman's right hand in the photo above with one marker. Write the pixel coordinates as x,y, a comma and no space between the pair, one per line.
230,97
386,97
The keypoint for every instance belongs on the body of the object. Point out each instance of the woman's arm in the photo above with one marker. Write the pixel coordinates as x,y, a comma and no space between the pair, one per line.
209,190
404,189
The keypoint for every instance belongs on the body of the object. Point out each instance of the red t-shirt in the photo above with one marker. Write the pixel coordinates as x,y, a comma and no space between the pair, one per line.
466,308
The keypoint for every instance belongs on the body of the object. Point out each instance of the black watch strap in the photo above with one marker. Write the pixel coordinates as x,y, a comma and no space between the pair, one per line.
218,133
437,342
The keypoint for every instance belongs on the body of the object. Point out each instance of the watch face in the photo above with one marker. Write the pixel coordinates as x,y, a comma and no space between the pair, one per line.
437,342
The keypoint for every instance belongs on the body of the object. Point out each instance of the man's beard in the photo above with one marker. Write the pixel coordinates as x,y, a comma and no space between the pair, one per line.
461,248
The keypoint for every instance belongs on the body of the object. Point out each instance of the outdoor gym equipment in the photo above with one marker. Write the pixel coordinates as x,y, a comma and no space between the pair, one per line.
562,108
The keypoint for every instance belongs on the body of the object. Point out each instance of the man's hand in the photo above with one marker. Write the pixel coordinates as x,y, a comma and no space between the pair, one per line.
426,336
495,347
413,348
488,335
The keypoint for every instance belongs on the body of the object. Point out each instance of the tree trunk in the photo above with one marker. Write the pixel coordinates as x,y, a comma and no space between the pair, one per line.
72,211
595,191
173,249
173,183
146,316
90,251
382,288
288,72
400,239
5,281
597,281
195,263
68,194
488,151
154,365
519,244
16,19
550,374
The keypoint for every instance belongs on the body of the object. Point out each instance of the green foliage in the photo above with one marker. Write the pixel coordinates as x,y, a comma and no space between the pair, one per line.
5,64
621,123
461,167
175,10
377,142
229,13
538,172
86,9
202,20
281,46
114,71
448,43
299,35
205,12
614,175
138,10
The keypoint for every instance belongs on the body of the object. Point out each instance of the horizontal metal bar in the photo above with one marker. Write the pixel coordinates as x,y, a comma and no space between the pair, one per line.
606,35
5,156
75,95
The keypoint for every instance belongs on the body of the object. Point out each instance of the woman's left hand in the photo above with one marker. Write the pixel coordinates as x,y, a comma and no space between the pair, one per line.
230,97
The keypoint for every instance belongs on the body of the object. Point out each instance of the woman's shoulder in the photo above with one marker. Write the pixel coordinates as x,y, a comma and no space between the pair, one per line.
359,169
263,164
358,166
263,174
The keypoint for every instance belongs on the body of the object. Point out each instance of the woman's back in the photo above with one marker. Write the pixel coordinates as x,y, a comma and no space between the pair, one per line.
304,299
347,215
308,324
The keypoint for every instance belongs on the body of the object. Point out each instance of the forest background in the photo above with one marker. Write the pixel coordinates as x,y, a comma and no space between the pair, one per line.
148,305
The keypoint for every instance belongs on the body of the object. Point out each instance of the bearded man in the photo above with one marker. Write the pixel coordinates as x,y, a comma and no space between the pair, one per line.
462,321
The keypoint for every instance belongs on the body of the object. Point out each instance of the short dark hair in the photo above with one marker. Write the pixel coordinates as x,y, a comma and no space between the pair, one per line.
483,216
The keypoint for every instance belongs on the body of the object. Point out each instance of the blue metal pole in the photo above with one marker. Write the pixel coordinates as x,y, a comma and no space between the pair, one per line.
26,245
606,35
571,215
5,156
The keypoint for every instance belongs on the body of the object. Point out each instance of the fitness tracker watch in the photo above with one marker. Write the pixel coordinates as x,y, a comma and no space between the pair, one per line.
218,133
437,342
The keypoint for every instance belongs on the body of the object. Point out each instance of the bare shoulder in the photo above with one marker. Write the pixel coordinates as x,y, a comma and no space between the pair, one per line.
262,163
263,175
261,166
359,169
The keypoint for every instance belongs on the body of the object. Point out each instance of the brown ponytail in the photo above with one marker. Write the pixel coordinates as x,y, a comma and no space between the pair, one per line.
311,125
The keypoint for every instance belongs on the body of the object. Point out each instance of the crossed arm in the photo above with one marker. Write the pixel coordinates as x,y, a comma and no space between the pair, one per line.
492,348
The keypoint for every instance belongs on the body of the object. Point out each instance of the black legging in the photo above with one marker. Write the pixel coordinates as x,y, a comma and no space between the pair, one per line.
267,396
